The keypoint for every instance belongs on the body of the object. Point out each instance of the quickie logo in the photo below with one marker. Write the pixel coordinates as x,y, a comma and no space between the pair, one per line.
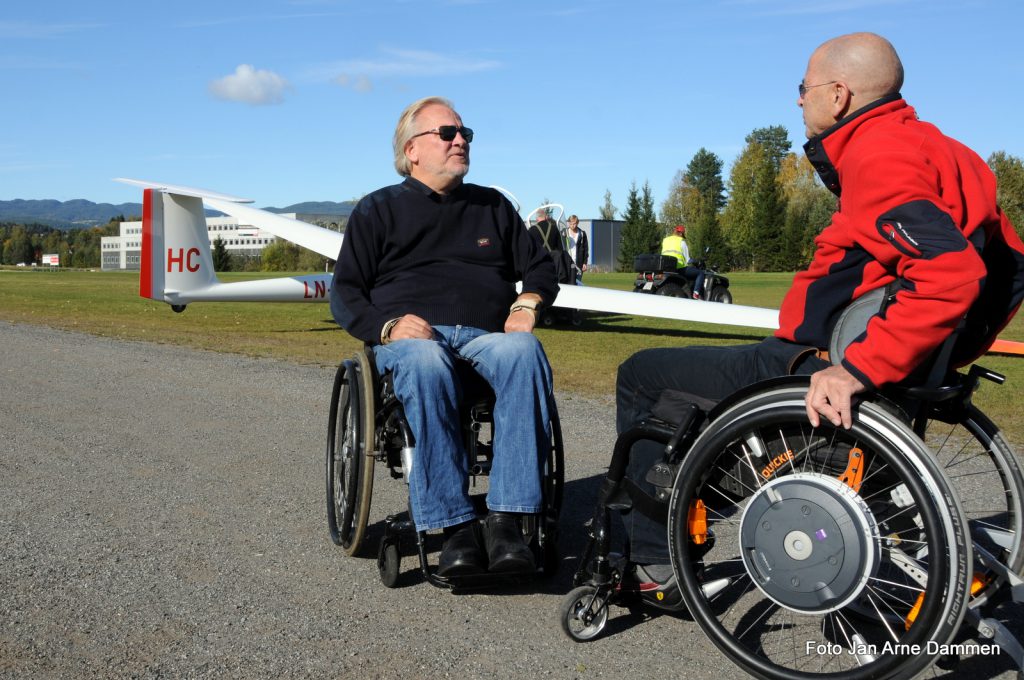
775,463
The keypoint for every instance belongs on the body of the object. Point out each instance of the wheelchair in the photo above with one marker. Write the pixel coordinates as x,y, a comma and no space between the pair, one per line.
367,425
822,551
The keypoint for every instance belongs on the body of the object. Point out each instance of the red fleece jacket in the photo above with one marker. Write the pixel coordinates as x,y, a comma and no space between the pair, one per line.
915,206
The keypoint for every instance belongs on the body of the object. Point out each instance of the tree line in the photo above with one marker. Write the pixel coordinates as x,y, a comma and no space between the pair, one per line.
279,256
27,243
80,248
765,218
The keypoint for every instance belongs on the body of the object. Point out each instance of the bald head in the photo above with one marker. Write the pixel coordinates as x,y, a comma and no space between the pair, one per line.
844,75
866,62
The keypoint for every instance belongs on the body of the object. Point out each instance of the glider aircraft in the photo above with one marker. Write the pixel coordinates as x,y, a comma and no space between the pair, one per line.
177,265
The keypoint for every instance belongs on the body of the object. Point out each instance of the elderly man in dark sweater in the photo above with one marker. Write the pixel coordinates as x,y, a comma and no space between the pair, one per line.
427,275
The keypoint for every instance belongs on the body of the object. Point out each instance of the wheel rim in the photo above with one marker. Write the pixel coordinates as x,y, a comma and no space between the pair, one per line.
586,615
346,462
774,632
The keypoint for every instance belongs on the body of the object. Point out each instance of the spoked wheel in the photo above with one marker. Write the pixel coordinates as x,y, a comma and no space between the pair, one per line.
583,613
349,469
983,469
836,552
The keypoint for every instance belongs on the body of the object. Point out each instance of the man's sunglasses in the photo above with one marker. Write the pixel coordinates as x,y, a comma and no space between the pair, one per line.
802,89
447,133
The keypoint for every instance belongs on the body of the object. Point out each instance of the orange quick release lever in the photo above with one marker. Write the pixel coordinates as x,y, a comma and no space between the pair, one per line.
854,473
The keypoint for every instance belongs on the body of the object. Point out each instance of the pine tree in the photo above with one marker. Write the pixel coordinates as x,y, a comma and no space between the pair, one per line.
608,210
641,233
775,140
636,237
704,174
221,256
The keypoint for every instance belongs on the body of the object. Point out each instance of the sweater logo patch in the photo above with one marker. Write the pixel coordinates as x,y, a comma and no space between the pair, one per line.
483,242
898,236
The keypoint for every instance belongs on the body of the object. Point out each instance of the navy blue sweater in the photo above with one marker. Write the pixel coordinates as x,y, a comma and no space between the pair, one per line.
451,259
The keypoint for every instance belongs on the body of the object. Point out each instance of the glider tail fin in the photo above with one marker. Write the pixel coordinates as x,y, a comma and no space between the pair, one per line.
175,258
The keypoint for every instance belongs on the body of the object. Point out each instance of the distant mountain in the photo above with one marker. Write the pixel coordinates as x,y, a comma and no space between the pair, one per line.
80,213
65,214
318,208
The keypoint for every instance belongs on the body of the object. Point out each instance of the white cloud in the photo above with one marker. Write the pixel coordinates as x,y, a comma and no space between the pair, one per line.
27,30
357,83
250,86
399,63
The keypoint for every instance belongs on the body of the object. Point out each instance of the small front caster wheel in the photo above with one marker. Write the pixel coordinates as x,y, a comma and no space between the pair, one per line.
388,562
583,613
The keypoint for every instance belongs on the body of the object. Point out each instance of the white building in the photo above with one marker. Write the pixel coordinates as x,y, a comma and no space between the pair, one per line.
124,251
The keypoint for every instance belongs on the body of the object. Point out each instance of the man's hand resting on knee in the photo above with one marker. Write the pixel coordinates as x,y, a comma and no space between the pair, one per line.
412,326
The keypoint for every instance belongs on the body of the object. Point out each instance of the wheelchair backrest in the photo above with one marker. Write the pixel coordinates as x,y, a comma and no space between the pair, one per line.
852,324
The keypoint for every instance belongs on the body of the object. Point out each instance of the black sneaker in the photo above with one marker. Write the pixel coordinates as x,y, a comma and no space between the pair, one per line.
656,585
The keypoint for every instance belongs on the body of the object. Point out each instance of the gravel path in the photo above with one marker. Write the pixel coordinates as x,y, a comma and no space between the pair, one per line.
162,515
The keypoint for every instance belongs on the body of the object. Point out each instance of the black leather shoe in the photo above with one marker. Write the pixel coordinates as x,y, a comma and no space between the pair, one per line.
506,551
461,554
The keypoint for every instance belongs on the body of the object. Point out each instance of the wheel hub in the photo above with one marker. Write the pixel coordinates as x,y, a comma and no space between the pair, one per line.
809,542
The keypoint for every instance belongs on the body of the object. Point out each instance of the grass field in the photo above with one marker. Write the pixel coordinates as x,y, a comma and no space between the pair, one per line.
584,359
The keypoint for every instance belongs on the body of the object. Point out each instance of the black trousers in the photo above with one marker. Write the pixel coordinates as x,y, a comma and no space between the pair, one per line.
713,373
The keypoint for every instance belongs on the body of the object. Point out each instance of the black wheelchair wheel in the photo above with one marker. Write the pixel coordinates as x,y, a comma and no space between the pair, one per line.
349,469
838,553
541,530
984,472
389,561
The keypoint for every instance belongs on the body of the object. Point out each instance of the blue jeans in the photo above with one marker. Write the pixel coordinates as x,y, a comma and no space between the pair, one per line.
425,383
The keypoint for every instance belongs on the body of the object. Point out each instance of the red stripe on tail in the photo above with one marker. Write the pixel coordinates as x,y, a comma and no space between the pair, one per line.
146,265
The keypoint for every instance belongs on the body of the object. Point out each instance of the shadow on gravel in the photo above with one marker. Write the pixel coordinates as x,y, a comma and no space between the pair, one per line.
578,501
600,322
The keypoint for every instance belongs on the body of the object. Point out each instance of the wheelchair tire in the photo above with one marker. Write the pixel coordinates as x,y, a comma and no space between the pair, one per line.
813,573
984,472
349,468
554,484
389,562
583,613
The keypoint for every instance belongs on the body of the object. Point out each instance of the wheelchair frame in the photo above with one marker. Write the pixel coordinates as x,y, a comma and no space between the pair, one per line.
367,425
765,415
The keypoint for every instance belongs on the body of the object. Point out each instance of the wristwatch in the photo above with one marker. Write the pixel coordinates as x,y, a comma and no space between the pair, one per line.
531,305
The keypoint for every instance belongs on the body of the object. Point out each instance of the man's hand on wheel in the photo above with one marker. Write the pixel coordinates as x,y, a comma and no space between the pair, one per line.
831,395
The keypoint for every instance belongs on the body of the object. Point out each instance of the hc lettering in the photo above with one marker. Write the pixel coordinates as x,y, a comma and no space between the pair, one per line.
183,259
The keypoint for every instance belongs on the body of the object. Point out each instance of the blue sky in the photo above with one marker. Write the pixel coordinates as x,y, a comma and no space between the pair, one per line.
284,101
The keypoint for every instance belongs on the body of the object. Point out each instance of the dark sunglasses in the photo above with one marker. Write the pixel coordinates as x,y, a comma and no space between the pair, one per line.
447,133
803,88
